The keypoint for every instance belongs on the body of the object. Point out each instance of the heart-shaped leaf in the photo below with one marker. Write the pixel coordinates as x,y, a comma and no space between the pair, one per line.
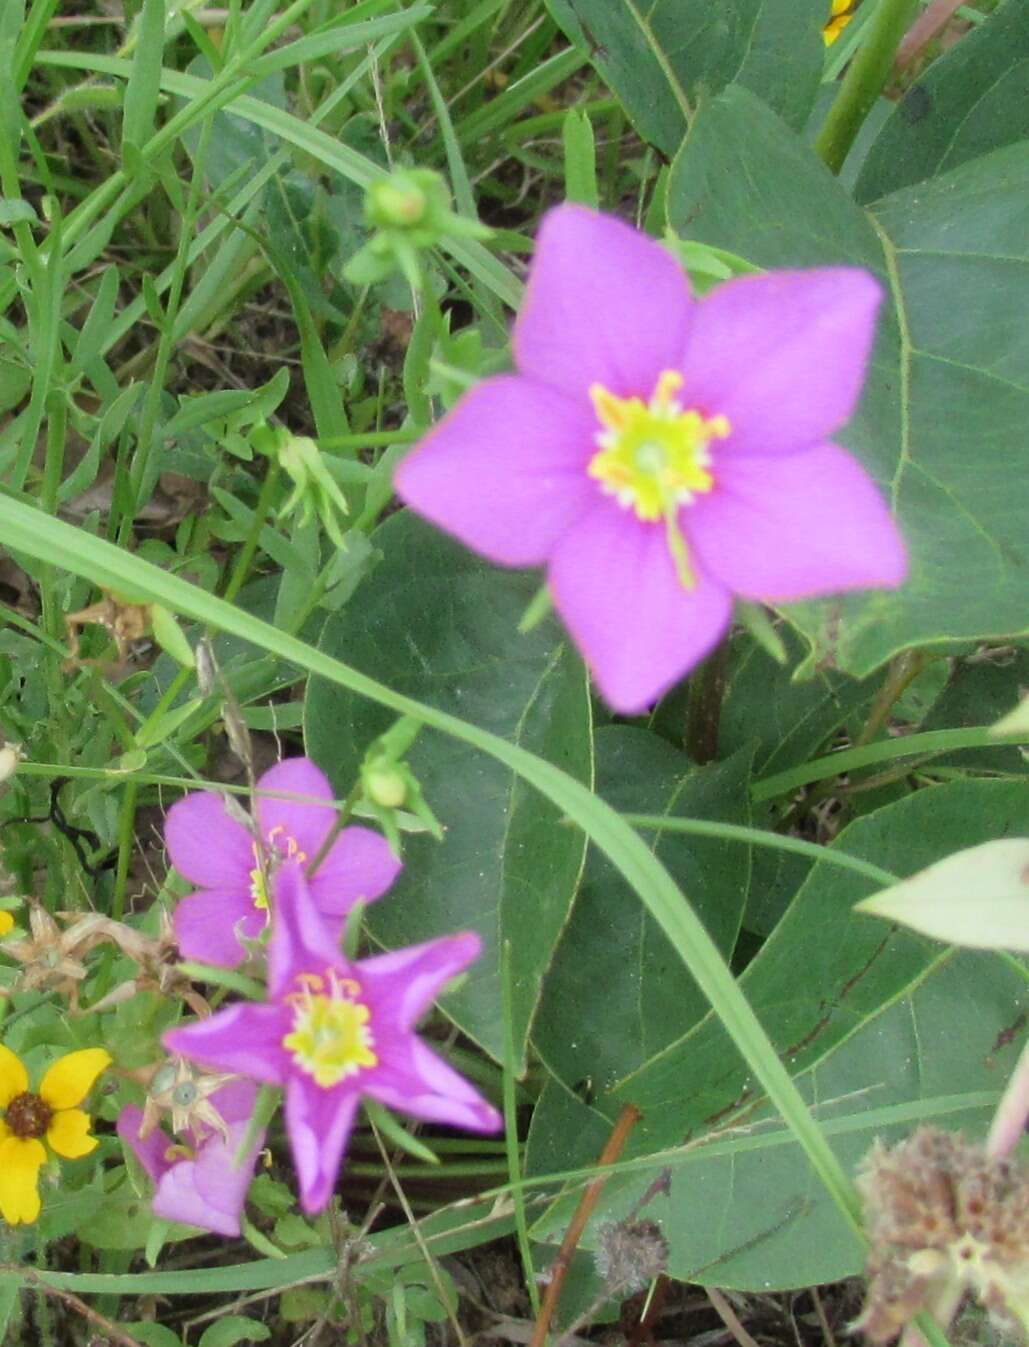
942,421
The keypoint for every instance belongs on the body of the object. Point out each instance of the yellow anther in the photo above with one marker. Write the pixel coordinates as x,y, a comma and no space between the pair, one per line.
653,457
331,1037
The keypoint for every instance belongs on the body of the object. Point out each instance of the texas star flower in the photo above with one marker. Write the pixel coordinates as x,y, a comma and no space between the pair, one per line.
217,853
659,455
333,1031
51,1114
197,1180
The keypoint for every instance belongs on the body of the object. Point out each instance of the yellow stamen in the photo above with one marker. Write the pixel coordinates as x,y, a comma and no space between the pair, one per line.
331,1037
653,456
259,888
283,847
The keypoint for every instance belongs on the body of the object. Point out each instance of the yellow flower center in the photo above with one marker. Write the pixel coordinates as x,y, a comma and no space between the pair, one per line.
653,456
331,1037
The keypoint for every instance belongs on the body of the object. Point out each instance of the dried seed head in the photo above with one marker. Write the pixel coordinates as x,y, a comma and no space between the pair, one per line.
941,1214
631,1253
177,1088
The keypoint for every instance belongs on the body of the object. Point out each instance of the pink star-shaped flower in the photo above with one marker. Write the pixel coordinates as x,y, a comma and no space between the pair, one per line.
200,1184
217,852
332,1031
659,455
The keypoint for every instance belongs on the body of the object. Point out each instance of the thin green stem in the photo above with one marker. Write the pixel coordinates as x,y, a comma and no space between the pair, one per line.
901,674
342,819
513,1163
56,432
374,439
246,556
864,81
223,977
736,832
885,750
126,838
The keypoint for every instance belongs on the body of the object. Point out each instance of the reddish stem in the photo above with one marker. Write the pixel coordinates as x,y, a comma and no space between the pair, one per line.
613,1147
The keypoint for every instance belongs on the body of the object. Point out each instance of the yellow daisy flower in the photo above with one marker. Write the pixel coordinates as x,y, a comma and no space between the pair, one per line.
6,923
53,1113
840,16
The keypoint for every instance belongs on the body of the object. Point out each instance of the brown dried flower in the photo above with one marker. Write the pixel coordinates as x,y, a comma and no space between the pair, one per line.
943,1216
630,1254
179,1089
50,957
53,957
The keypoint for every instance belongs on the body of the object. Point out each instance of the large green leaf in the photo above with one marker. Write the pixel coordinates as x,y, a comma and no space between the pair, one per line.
662,57
616,994
942,421
440,625
789,719
973,100
851,965
819,985
743,1210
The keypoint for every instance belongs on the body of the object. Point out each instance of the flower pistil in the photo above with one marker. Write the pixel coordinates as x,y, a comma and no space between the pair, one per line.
331,1037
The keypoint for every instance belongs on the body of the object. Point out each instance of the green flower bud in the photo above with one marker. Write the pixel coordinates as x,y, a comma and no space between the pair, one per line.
385,786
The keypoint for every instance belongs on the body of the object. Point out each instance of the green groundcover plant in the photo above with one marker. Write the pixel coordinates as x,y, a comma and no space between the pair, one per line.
513,668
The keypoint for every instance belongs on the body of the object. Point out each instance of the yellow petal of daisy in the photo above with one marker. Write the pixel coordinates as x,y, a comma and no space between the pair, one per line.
68,1133
71,1077
20,1159
14,1079
6,923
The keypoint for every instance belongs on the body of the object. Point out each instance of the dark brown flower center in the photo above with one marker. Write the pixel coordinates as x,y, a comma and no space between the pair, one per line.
28,1116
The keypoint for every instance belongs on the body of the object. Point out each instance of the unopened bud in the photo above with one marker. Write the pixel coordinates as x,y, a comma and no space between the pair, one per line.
399,202
385,786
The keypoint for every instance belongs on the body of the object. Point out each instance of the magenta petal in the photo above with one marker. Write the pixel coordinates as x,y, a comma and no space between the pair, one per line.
796,526
506,471
406,981
783,356
205,925
287,825
416,1081
210,1190
615,585
301,941
235,1101
205,844
246,1038
319,1122
150,1151
604,304
359,867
